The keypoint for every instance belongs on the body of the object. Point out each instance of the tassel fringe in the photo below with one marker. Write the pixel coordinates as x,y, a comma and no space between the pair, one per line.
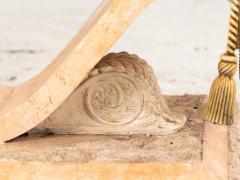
222,97
221,103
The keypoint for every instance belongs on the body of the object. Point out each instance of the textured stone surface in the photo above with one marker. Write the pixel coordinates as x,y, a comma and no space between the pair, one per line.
182,147
33,101
33,32
234,148
120,96
102,171
174,156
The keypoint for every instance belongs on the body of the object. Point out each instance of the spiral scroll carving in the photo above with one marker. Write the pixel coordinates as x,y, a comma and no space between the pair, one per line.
113,100
122,89
119,96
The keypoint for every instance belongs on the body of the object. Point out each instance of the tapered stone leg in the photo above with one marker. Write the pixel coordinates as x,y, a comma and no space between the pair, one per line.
31,102
120,96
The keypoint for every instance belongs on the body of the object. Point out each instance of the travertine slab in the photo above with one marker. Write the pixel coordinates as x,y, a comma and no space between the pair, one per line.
184,155
103,171
184,146
234,147
33,101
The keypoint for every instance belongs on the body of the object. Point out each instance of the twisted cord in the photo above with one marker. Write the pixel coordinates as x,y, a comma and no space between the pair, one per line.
233,27
228,64
222,97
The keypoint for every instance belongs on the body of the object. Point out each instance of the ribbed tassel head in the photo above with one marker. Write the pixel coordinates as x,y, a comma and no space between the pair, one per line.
222,97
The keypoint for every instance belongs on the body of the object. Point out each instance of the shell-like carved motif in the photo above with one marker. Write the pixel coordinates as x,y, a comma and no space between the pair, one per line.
120,96
122,89
113,99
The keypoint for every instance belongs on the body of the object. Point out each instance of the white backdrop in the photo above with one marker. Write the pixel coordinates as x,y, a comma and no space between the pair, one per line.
182,40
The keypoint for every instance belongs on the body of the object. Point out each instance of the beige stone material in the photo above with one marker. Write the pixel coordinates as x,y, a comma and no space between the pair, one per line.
31,102
120,96
215,152
4,93
184,146
27,105
103,171
97,157
234,147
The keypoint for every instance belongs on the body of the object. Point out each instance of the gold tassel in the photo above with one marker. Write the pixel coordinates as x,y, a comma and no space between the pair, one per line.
222,97
221,102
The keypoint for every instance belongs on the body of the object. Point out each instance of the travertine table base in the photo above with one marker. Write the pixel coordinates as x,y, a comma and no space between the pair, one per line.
119,96
27,105
198,151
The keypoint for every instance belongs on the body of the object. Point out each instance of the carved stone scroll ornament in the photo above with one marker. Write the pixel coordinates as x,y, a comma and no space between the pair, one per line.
120,96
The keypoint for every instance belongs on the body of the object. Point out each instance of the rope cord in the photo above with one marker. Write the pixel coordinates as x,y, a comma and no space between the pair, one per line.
222,97
228,63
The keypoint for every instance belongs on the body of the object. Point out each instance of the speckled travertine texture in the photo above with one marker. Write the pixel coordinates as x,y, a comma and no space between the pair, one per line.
184,146
185,154
121,96
33,101
234,147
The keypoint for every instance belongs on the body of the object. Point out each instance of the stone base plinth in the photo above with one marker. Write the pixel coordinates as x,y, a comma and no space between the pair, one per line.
198,151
